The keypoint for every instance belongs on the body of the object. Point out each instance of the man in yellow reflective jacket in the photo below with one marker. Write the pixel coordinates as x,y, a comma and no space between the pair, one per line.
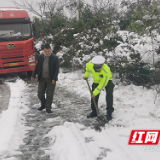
102,77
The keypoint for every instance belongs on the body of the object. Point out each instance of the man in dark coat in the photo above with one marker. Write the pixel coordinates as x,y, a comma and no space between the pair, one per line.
47,69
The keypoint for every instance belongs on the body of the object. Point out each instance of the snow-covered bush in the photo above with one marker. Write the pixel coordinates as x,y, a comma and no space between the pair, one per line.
98,33
81,47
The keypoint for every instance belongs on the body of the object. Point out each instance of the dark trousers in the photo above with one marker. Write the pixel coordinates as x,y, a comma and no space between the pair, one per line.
45,86
109,97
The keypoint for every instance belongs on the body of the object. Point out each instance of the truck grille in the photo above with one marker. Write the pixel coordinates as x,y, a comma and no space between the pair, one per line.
15,67
11,54
12,60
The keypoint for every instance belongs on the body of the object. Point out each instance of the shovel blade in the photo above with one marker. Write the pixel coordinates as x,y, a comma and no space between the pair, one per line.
102,120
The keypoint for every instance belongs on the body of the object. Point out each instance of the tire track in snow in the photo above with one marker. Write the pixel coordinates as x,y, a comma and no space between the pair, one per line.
69,143
11,120
127,152
68,108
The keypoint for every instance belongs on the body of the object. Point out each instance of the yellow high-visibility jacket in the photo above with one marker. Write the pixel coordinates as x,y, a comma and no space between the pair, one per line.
101,77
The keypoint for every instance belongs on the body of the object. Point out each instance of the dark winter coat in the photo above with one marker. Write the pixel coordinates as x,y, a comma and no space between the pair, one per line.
53,67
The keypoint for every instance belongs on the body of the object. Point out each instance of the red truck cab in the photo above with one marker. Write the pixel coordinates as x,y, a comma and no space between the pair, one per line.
16,41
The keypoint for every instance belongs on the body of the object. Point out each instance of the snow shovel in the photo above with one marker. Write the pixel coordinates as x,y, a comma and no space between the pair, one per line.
100,118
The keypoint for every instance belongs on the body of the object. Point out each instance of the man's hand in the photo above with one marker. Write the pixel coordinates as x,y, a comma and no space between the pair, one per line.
53,82
32,79
93,96
84,78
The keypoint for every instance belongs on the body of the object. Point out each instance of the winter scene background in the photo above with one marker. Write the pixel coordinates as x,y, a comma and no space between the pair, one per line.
127,34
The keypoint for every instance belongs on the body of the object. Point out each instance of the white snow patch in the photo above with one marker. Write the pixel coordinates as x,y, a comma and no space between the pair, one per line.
11,122
38,45
69,144
11,9
134,110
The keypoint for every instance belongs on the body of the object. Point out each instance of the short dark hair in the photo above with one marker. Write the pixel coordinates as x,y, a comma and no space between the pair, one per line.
47,46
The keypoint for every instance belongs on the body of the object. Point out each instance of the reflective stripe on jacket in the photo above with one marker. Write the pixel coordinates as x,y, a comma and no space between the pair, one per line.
101,77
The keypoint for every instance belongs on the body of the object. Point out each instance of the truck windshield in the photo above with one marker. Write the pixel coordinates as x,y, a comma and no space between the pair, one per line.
8,31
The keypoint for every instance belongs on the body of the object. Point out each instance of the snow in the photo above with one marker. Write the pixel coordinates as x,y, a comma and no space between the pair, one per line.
69,143
140,44
86,57
38,45
11,121
131,44
11,9
62,52
17,34
134,109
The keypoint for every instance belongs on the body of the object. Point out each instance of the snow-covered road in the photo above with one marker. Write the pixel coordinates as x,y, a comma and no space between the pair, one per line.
67,134
4,96
11,121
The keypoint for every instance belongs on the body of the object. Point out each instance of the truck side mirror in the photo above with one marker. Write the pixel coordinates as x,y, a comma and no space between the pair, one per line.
34,29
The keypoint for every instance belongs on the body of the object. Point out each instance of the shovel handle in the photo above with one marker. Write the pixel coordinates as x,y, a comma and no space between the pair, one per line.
92,98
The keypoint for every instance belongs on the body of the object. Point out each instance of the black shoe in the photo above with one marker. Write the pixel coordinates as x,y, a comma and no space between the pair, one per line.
41,108
109,117
49,111
92,115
